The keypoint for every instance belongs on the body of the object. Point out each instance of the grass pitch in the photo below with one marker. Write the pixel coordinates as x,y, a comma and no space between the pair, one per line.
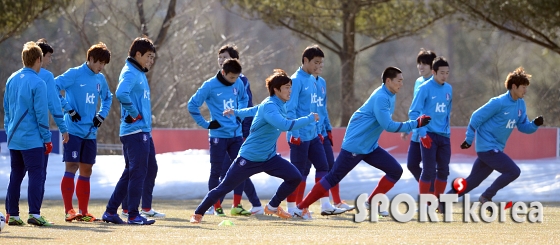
341,229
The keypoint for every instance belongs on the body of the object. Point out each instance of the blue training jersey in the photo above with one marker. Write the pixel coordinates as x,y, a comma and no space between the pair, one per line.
324,123
369,121
268,122
495,120
83,90
219,96
302,103
53,97
246,123
414,137
434,100
26,117
133,93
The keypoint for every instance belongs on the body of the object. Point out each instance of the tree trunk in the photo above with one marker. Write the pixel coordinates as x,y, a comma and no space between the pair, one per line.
347,61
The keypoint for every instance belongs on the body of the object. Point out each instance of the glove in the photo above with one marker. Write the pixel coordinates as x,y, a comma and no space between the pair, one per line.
75,116
214,125
98,120
426,141
539,120
295,141
423,120
129,119
465,145
48,148
329,135
321,138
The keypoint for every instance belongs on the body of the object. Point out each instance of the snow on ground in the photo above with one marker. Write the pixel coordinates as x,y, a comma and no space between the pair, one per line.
184,175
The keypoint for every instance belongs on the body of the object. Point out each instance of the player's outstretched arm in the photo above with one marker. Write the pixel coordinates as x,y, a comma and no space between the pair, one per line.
382,111
273,116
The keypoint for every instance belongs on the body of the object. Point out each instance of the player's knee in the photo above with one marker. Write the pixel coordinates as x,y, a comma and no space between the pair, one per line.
515,172
396,173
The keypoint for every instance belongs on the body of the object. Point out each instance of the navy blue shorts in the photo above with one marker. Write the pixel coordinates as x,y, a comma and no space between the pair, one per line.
80,150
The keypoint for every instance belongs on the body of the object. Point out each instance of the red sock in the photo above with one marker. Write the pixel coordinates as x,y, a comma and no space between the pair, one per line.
125,210
300,191
326,194
67,190
439,187
317,192
236,200
146,209
217,205
293,196
383,187
82,192
424,187
335,192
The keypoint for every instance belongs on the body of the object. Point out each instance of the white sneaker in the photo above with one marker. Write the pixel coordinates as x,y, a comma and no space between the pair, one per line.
332,211
302,213
344,205
381,213
125,214
210,211
293,211
152,214
257,210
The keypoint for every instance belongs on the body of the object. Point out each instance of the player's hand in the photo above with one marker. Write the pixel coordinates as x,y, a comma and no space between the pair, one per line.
423,120
74,115
539,120
48,148
130,119
228,112
465,145
426,141
65,137
329,134
295,141
98,120
321,138
404,136
214,125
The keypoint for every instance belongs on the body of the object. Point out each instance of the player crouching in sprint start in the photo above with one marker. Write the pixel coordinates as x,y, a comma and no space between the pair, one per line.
258,152
360,140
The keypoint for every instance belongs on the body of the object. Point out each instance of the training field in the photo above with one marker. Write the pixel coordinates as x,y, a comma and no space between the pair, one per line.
176,229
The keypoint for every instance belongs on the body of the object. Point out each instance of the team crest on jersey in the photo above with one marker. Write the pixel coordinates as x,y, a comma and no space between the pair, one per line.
242,162
519,113
144,138
234,91
74,154
98,87
447,96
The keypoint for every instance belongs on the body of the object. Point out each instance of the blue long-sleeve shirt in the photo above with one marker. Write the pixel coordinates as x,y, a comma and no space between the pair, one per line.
133,93
53,97
414,136
83,90
246,123
302,103
26,116
324,123
434,100
369,121
219,97
268,122
495,120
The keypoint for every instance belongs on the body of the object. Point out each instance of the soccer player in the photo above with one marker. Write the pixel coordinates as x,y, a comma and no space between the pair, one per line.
424,61
52,96
84,86
434,98
325,128
133,93
492,124
223,91
360,140
258,152
230,52
26,120
306,147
